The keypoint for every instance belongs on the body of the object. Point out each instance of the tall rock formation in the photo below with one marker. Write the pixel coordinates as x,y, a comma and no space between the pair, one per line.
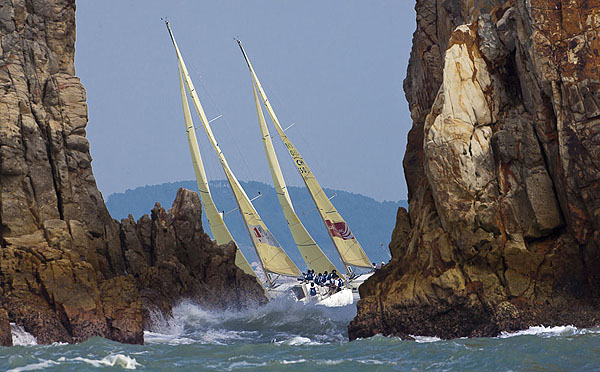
68,271
503,172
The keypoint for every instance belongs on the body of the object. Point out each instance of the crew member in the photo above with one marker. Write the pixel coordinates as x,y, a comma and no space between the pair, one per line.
313,290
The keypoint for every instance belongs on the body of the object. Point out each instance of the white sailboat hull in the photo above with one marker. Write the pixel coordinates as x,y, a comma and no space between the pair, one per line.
301,292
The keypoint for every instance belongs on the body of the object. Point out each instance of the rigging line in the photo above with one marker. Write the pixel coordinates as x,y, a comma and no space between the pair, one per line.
218,172
212,169
237,208
245,166
283,107
291,125
224,198
294,176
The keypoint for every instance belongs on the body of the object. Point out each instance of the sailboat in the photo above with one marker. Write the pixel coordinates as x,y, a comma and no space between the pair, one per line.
215,220
349,249
311,252
273,259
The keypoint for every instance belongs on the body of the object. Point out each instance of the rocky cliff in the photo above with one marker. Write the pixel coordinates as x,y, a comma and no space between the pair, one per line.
503,171
68,271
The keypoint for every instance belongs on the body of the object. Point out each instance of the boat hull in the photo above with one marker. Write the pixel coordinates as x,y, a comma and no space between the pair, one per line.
301,292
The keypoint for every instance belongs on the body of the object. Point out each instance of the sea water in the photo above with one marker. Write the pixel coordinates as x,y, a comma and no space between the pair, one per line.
290,336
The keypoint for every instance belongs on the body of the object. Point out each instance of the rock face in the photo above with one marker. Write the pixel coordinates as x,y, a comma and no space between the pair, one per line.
68,271
502,166
5,333
172,258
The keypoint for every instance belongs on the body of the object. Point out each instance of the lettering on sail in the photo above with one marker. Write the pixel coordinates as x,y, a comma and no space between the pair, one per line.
263,236
339,229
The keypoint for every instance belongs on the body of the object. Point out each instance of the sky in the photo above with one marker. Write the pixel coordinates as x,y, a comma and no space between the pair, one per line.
334,68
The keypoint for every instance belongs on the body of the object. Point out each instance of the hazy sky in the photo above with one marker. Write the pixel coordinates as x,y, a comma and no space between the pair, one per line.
335,68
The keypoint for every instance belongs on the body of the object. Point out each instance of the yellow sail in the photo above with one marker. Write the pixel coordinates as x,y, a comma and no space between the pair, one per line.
272,257
220,232
311,253
346,244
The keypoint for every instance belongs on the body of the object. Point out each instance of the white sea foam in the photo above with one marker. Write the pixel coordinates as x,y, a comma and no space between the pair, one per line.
425,339
58,343
340,299
21,337
187,313
170,339
244,364
329,362
114,360
543,331
35,366
297,340
190,323
293,361
219,336
373,361
171,330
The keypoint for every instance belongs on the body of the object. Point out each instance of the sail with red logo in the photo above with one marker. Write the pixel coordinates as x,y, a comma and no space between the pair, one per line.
350,251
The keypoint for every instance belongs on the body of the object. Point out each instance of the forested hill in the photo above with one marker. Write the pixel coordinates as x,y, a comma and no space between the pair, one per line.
371,221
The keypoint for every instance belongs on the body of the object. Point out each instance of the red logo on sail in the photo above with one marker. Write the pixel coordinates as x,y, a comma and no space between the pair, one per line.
339,229
264,236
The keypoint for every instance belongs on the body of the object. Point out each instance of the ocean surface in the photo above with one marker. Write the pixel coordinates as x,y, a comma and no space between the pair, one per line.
289,336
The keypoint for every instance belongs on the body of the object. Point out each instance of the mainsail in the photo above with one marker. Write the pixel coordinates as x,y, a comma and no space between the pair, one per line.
349,249
215,220
311,253
272,257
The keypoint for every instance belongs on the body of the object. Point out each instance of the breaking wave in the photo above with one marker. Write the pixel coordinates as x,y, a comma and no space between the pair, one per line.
543,331
20,337
34,366
287,335
116,360
282,320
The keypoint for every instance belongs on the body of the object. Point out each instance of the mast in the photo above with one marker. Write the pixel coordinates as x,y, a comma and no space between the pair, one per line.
215,220
311,253
272,257
350,251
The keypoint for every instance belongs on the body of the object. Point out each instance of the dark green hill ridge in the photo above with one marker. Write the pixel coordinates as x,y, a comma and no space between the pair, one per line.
371,221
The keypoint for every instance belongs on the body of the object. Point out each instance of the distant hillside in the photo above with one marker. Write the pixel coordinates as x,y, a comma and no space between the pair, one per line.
371,221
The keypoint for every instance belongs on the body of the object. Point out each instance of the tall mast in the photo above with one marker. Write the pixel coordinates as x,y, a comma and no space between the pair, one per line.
350,251
272,257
